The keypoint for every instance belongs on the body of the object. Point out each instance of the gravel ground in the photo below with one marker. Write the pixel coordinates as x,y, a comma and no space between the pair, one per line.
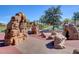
8,49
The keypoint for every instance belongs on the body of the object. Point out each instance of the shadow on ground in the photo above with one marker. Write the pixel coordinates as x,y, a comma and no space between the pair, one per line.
50,45
2,44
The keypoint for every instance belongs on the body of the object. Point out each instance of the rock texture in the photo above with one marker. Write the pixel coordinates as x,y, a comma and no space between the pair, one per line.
34,29
52,35
71,32
59,41
16,30
43,35
76,51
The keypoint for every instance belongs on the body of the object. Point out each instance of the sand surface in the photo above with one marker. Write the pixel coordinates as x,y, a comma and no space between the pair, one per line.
36,45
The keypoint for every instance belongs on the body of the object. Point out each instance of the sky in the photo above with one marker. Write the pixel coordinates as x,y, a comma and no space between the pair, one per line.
33,12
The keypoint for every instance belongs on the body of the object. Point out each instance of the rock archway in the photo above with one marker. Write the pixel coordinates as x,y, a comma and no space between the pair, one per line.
71,32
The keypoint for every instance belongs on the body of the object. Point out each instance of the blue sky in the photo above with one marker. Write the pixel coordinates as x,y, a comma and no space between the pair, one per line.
33,12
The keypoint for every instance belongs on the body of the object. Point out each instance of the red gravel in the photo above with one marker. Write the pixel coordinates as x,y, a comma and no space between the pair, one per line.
2,36
70,45
8,49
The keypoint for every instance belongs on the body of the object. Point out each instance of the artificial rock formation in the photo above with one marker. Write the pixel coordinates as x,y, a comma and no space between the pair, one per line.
52,35
71,32
59,41
76,51
16,30
34,29
43,35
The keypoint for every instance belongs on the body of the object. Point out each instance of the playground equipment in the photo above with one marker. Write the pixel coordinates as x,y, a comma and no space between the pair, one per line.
16,30
59,40
71,32
76,51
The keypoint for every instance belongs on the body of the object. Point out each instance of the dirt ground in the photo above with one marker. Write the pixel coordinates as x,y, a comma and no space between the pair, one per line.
37,45
8,49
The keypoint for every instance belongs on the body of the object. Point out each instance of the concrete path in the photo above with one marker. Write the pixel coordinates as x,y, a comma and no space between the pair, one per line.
33,45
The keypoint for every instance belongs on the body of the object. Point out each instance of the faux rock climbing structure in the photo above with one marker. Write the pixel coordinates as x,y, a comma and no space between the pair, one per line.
16,30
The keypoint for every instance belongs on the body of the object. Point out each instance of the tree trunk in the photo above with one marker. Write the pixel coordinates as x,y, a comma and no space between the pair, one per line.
53,27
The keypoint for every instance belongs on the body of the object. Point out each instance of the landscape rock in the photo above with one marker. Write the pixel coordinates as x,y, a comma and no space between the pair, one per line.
52,35
16,30
71,32
43,35
34,29
76,51
59,41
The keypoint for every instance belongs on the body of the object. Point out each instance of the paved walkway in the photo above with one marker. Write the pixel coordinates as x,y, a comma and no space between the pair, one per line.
33,45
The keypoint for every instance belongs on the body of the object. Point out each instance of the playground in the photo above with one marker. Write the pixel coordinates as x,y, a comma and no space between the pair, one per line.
48,35
38,45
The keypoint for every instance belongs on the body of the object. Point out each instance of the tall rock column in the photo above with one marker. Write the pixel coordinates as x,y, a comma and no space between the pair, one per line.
16,30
